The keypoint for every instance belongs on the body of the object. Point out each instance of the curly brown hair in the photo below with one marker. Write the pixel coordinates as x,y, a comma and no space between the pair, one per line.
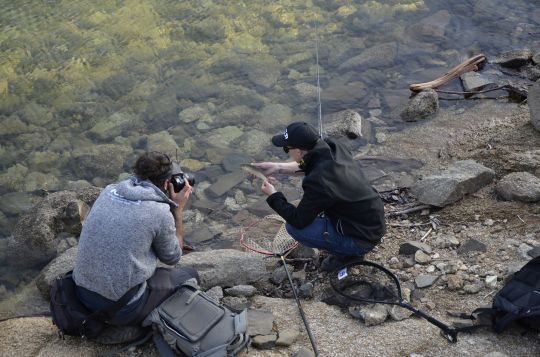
154,166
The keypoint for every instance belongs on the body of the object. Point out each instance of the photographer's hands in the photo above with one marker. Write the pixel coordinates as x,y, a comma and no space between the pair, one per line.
180,198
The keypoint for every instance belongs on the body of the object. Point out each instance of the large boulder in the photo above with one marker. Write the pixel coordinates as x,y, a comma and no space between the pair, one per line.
344,123
534,105
226,267
463,178
36,233
222,267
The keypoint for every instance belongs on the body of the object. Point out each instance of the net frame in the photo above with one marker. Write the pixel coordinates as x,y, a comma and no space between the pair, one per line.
281,245
389,276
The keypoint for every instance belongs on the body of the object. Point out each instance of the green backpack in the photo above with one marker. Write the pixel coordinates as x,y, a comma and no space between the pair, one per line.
191,323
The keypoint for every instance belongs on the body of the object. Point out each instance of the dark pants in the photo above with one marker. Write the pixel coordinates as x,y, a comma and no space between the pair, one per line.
322,234
160,286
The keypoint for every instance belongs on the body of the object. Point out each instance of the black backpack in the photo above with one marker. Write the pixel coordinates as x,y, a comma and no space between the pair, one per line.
72,317
517,302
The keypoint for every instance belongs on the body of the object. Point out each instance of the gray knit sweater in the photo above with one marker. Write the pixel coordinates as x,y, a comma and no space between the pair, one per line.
129,228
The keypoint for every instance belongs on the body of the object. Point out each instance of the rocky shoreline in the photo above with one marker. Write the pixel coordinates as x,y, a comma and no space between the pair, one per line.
451,256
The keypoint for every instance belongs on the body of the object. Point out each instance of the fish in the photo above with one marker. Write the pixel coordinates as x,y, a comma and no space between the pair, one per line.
253,170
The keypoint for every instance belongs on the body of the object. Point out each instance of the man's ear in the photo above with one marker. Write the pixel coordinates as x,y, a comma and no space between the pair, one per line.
166,185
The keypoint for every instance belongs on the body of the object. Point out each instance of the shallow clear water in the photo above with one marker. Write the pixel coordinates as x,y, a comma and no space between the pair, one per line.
85,87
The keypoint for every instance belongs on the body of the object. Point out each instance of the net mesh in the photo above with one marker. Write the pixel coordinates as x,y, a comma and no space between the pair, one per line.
366,283
268,236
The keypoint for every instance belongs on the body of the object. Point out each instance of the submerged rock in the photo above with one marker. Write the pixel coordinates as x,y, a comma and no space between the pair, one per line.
433,27
513,59
378,56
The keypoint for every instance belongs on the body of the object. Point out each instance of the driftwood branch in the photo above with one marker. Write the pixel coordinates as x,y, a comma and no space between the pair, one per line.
472,64
408,210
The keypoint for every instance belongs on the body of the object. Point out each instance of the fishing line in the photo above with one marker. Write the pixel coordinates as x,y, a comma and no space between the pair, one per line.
318,80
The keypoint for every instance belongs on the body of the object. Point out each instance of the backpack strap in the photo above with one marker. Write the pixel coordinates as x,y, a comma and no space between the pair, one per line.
163,348
503,322
483,317
112,309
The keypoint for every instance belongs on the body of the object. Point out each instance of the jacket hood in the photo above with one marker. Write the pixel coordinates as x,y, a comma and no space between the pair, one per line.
322,151
134,189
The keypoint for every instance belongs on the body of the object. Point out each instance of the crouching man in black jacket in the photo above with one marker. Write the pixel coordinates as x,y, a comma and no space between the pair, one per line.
339,211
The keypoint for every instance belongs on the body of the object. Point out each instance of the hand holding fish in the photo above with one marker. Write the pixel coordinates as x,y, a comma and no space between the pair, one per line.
268,188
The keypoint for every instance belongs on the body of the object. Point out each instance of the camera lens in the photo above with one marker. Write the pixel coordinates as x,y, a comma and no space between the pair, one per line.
179,183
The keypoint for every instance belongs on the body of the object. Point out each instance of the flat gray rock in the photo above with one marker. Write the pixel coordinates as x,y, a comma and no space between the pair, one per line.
260,322
423,281
472,245
225,183
463,178
411,247
474,81
241,290
226,267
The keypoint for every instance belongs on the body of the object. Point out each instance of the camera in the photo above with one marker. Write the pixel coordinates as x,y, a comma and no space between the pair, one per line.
178,182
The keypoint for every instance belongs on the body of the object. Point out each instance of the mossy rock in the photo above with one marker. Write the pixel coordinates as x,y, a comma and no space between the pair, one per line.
118,85
192,165
41,181
274,116
254,142
13,178
44,160
105,160
195,113
162,142
239,95
14,203
32,141
236,114
162,111
14,125
33,113
114,125
222,137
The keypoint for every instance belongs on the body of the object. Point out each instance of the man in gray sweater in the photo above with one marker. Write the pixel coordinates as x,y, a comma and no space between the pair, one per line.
131,225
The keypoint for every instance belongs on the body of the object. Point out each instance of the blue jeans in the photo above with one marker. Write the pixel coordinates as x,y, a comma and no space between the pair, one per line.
334,242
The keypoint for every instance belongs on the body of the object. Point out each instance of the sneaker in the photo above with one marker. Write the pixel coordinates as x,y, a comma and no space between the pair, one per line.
333,262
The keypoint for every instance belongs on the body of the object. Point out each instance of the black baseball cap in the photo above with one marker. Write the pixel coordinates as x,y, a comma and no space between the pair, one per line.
298,135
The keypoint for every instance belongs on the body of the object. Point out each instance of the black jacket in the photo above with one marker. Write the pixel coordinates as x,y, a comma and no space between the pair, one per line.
335,185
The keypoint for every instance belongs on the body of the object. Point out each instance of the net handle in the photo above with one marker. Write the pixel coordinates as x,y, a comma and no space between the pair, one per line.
448,332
